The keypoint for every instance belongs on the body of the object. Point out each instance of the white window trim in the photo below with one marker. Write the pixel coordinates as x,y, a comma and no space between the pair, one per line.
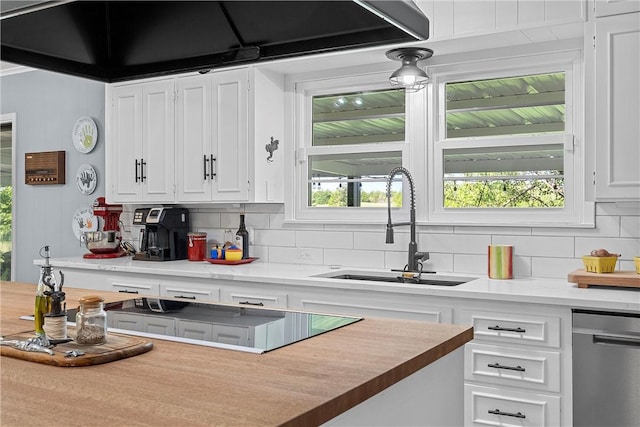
577,211
302,89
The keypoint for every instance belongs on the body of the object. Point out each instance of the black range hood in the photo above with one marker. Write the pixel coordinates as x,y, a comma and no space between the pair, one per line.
114,41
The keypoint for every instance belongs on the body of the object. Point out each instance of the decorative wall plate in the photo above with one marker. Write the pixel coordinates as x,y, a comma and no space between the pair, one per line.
84,220
85,134
86,179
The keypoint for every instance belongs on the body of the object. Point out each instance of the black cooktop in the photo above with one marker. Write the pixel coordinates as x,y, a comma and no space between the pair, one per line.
245,328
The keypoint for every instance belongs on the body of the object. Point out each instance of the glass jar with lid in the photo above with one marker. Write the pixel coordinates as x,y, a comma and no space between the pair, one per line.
91,321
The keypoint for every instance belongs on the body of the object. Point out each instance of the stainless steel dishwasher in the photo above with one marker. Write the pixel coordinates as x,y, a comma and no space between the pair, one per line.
606,369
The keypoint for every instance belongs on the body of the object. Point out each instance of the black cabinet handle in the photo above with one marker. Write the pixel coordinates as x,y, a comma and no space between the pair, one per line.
142,175
500,328
126,291
185,296
213,159
511,368
204,164
137,163
251,303
507,414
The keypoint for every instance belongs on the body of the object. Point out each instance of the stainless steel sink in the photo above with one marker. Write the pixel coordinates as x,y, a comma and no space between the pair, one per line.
397,277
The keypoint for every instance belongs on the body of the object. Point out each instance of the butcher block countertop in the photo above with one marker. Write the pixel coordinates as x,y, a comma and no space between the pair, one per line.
178,384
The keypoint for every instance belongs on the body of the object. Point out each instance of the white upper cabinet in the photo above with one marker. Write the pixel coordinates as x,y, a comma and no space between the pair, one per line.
140,153
212,143
615,7
617,107
462,18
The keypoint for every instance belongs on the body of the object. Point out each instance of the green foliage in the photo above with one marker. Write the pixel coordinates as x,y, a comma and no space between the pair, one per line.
504,194
6,202
338,198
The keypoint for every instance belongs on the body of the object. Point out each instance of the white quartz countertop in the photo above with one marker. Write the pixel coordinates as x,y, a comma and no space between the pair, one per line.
529,290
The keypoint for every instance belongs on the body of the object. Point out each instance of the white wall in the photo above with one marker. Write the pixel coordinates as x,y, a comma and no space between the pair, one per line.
47,106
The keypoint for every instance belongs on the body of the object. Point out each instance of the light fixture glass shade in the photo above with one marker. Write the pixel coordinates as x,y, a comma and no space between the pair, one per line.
409,77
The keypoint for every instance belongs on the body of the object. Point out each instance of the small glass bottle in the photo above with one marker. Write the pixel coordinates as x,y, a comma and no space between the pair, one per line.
91,321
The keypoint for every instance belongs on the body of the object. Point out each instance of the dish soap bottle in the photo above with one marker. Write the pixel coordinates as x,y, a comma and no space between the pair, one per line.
46,285
242,238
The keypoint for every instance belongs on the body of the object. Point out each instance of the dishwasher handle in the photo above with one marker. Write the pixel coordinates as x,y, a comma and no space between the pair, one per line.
616,340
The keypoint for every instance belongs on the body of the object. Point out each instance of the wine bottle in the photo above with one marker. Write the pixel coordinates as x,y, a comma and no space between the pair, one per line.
242,238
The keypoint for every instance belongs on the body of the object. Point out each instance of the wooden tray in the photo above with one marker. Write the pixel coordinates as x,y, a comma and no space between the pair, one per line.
625,279
117,347
228,262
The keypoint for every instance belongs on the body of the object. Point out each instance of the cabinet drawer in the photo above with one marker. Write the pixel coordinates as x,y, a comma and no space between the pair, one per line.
426,314
512,366
134,287
253,297
514,328
506,407
190,293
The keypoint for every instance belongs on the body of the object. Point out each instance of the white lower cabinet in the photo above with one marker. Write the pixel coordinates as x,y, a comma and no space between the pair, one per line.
202,331
518,367
503,407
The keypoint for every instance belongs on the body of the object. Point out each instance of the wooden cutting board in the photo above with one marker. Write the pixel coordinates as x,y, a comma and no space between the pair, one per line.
117,347
625,279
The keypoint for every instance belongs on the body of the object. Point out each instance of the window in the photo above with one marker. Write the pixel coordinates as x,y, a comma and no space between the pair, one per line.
350,138
503,149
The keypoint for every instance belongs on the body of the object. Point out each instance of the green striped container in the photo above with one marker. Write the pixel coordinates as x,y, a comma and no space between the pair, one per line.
500,262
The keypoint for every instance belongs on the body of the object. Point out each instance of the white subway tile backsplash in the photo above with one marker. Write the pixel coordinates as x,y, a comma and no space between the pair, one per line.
537,245
630,226
376,241
325,239
557,268
275,238
455,243
538,252
472,264
606,226
353,258
290,255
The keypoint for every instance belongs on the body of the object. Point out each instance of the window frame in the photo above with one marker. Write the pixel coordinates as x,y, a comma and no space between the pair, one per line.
304,88
576,211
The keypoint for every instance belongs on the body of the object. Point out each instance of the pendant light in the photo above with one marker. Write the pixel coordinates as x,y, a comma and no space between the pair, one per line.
409,77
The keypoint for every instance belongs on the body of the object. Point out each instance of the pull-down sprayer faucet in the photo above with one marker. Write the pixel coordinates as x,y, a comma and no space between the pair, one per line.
414,257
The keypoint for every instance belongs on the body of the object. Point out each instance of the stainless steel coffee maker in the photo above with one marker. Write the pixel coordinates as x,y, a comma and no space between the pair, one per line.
164,236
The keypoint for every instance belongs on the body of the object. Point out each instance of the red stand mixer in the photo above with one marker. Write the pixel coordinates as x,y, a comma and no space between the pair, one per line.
105,243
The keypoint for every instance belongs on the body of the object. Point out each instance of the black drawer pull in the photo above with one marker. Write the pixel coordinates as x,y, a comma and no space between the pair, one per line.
251,303
507,414
185,296
511,368
500,328
137,164
213,160
126,291
205,163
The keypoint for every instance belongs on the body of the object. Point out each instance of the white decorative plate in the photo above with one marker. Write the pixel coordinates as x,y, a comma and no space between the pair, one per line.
85,134
84,220
86,179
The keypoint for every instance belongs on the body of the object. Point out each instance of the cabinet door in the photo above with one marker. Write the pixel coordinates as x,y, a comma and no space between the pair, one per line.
230,141
618,107
125,321
124,149
194,330
235,335
159,325
194,155
158,136
615,7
